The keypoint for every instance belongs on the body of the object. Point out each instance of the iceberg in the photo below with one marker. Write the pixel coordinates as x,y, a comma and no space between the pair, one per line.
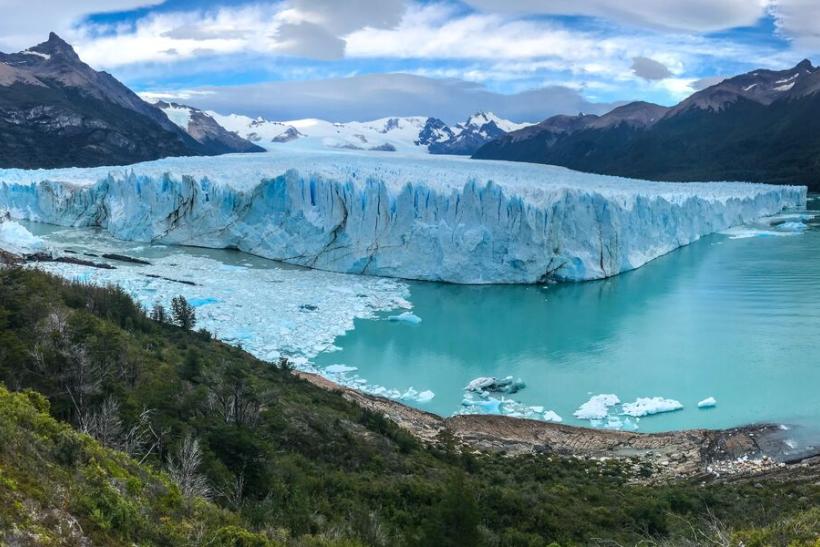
708,402
597,408
432,218
495,385
15,239
646,406
405,317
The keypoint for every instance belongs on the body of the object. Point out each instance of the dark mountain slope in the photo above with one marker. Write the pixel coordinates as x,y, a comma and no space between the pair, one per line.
754,127
57,111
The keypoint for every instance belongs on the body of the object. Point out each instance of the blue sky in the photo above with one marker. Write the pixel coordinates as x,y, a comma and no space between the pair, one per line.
531,58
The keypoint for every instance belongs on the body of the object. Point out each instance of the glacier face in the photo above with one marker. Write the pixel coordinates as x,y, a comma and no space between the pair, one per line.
429,218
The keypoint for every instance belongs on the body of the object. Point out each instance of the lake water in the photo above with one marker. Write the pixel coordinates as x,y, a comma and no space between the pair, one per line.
733,319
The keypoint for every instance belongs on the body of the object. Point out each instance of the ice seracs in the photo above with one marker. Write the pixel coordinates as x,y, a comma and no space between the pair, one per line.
431,218
16,239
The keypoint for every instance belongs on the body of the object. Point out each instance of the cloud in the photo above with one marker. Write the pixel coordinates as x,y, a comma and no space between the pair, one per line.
687,15
797,20
382,95
314,29
25,23
649,69
703,83
309,40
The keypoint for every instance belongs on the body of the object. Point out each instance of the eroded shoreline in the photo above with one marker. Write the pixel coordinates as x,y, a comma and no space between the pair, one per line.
746,451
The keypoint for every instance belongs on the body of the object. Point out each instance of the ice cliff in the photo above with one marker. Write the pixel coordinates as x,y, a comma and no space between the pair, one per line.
431,218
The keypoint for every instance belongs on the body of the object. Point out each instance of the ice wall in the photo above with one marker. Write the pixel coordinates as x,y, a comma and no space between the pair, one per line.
438,219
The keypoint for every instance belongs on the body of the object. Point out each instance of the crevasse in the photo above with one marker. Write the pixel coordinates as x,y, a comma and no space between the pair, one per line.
438,219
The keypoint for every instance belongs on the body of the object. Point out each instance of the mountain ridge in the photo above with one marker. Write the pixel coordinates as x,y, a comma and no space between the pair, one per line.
750,127
57,111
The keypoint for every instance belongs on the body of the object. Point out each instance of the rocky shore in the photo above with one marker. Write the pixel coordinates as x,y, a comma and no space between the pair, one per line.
709,455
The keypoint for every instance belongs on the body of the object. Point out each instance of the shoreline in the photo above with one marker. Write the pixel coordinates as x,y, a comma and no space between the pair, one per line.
705,454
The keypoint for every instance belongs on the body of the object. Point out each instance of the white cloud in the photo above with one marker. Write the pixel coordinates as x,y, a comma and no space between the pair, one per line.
382,95
798,21
26,22
308,28
688,15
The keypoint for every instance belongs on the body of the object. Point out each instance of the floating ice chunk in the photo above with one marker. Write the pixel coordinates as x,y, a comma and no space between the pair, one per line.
708,402
16,239
551,416
425,396
507,384
597,407
645,406
792,226
480,384
406,317
339,369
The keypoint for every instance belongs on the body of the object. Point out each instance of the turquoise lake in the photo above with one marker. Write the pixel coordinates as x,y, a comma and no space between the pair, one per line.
734,319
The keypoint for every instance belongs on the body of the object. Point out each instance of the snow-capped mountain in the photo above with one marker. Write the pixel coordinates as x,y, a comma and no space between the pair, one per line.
478,130
205,130
413,134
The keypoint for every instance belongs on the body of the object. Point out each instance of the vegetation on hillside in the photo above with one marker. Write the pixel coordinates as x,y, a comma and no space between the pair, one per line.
213,443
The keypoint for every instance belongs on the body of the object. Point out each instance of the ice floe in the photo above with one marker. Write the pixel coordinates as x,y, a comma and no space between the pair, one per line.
492,384
597,407
405,317
646,406
270,311
708,402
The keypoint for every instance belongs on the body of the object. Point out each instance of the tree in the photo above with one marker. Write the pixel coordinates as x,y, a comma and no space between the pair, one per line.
159,314
183,313
184,469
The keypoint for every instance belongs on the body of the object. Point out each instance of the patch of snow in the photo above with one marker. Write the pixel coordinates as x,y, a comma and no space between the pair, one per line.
708,402
597,408
749,87
784,87
179,115
45,56
789,79
646,406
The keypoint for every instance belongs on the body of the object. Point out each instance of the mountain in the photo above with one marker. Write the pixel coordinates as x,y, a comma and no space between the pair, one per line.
413,134
469,136
751,127
57,111
205,130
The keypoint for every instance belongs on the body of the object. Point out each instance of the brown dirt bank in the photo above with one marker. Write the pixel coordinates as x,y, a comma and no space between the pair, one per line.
699,453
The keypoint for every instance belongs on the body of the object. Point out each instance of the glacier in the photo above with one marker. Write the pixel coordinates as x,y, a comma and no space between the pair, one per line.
428,218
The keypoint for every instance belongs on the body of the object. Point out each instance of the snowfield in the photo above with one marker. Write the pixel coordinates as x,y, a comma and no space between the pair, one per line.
417,217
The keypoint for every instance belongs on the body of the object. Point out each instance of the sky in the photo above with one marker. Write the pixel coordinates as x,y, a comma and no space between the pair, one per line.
364,59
